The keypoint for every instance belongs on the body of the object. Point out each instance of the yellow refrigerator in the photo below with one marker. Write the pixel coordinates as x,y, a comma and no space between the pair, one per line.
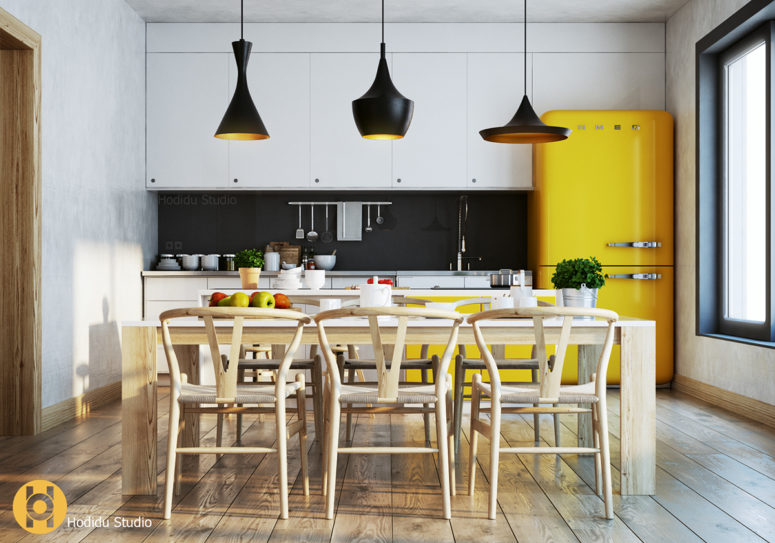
607,191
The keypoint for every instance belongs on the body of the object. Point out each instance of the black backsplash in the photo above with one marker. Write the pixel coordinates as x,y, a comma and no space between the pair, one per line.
419,231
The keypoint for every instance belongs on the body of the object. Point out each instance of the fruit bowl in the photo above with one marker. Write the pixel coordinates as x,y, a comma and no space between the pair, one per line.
325,262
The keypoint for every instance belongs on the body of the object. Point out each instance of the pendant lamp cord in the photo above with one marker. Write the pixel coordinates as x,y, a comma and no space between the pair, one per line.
383,21
241,19
525,56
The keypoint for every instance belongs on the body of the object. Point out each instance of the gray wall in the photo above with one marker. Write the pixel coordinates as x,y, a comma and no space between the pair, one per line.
99,224
740,368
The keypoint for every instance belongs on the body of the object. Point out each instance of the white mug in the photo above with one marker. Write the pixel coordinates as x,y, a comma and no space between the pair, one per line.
502,302
314,279
376,295
519,292
330,303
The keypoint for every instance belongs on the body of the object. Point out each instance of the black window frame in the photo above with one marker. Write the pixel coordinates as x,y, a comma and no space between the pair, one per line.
752,24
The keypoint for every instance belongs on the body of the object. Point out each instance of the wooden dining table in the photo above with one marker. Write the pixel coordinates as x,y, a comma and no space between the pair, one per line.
637,395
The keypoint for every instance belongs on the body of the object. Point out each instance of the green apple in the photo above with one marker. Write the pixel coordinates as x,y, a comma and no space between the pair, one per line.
240,299
224,302
263,299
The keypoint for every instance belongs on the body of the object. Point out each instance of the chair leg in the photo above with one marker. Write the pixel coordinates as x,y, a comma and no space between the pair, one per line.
457,417
605,453
349,431
282,456
473,435
301,410
178,457
333,445
324,441
495,447
556,427
450,423
442,443
596,438
426,417
172,443
219,429
536,416
240,380
317,398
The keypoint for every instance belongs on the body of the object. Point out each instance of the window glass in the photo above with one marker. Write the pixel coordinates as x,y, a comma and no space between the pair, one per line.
746,176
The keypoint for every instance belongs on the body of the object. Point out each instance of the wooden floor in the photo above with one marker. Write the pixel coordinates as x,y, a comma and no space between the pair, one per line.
715,482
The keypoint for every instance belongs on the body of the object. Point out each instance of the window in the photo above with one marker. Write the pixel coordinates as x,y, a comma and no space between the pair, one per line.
734,181
744,182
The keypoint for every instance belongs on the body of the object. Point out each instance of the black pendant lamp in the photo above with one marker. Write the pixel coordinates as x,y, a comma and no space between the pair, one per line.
242,121
525,126
383,113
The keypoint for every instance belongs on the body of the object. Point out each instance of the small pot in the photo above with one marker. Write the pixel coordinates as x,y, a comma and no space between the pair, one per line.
249,277
190,262
210,262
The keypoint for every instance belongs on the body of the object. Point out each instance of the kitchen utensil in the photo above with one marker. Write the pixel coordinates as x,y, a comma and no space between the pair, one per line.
312,236
272,261
314,279
375,294
227,262
328,235
190,262
506,278
300,230
368,218
210,262
380,219
325,262
349,221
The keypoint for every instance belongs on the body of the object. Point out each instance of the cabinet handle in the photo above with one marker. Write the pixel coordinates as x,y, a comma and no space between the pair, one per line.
236,180
398,180
473,180
153,180
317,180
638,244
646,276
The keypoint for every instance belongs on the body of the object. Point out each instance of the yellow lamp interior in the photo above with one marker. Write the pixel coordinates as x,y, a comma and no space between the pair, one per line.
525,137
243,136
383,136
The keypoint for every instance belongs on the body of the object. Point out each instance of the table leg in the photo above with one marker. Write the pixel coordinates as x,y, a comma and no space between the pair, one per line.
638,432
138,410
188,361
588,357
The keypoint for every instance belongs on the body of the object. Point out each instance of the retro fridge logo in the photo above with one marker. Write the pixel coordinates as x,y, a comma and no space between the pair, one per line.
39,507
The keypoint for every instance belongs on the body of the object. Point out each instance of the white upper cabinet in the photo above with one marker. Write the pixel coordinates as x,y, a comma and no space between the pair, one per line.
187,97
340,157
432,155
599,81
495,90
279,85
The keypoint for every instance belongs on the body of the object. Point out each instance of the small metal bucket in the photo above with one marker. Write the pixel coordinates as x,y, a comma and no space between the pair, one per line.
581,297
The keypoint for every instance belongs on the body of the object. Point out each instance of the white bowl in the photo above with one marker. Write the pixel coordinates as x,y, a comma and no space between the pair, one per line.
325,262
190,262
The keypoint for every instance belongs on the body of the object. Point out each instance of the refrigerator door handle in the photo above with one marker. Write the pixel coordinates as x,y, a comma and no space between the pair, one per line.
647,276
638,244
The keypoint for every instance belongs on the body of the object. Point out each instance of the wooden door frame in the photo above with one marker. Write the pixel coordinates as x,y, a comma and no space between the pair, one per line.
20,228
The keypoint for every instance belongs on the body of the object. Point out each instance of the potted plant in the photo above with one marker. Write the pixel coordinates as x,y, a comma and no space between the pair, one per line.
249,262
577,280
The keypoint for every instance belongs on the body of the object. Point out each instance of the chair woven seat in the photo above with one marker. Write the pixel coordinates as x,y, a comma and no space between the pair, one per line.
273,364
503,363
406,394
246,394
406,364
529,393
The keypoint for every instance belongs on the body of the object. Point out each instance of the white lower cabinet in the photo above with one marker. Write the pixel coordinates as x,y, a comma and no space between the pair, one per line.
431,281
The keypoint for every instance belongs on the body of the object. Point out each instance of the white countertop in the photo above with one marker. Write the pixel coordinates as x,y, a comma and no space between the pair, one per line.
414,292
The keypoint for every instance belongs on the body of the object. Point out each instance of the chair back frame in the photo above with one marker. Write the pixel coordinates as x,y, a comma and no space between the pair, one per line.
550,367
387,377
225,368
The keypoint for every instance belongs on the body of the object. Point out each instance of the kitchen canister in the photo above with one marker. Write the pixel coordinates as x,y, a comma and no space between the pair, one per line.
272,261
227,263
210,262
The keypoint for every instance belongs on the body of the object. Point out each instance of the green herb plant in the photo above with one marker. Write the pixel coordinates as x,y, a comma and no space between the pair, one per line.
579,271
249,258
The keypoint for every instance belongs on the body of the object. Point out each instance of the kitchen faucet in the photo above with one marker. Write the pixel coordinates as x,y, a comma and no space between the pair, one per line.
462,223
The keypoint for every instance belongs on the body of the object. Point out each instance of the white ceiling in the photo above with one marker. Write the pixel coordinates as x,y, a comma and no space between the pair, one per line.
407,11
